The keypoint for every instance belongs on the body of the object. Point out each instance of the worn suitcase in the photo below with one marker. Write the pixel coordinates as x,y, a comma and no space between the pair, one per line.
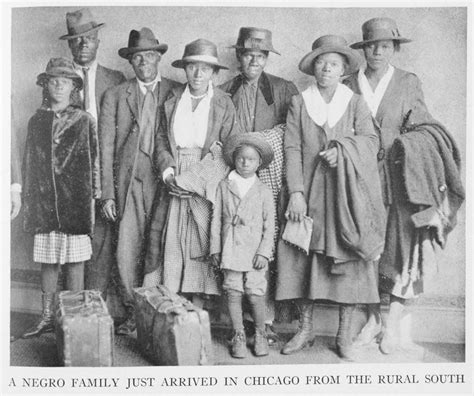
170,330
84,329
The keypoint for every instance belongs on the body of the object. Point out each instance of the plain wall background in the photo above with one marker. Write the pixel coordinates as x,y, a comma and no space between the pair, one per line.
437,55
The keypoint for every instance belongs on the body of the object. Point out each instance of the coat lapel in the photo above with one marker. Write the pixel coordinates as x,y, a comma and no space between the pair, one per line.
170,111
132,98
100,85
389,93
215,115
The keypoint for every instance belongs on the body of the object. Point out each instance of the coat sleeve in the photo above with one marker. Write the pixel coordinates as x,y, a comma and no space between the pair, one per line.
266,244
420,112
28,168
293,149
107,135
216,223
229,123
163,157
95,159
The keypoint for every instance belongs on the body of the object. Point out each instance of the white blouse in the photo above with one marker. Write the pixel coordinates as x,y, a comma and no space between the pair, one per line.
373,98
190,127
322,112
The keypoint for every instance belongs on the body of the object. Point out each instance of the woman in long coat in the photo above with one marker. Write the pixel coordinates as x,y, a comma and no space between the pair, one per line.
395,98
196,115
330,137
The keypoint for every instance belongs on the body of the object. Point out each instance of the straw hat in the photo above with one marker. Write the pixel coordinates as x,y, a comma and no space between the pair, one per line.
248,139
326,44
199,50
377,29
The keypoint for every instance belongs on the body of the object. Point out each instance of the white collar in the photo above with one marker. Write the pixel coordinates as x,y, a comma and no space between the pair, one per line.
142,85
322,112
92,66
208,95
373,98
243,184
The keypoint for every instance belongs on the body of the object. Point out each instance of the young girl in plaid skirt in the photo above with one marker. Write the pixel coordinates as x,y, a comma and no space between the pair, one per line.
61,180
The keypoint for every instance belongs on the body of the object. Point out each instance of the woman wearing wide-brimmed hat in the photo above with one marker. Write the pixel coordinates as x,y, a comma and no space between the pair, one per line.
395,98
330,138
195,116
60,182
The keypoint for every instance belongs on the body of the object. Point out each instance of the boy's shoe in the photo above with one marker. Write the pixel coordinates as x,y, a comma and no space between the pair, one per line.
238,347
260,347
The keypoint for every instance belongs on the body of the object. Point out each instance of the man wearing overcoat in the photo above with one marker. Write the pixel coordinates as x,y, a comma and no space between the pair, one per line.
128,124
83,41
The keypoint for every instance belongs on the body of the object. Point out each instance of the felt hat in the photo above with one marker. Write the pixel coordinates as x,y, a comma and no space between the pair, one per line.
80,23
377,29
326,44
199,50
143,40
253,38
248,139
59,67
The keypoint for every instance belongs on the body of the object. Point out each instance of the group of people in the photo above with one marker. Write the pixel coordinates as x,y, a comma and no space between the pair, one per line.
191,185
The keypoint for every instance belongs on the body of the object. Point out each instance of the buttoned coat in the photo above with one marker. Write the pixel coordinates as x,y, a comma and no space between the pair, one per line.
272,102
119,133
242,227
403,94
221,125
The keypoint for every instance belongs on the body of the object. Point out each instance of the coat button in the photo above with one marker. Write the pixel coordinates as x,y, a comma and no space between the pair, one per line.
442,188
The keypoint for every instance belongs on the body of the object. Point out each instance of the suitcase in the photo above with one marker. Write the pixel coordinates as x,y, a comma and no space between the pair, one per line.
84,329
171,331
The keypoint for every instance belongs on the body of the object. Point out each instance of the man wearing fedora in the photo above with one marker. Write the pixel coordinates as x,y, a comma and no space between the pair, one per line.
128,124
83,41
261,101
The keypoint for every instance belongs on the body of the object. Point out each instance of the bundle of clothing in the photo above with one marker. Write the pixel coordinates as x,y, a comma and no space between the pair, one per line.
425,167
346,205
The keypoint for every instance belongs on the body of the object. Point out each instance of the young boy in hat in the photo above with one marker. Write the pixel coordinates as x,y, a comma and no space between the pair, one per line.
242,236
60,182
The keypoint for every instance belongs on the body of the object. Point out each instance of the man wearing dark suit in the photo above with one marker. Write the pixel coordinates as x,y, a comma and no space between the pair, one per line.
261,101
84,42
128,125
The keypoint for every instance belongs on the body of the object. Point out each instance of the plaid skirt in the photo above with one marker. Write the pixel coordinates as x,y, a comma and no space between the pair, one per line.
59,248
181,271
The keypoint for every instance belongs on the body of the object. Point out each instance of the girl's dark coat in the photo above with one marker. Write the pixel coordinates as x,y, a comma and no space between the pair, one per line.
61,181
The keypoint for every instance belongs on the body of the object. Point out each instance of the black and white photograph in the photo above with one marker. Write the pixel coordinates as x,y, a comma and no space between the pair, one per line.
237,197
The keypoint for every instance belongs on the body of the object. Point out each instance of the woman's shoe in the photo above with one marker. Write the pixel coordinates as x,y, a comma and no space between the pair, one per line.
344,345
46,323
303,336
388,343
370,332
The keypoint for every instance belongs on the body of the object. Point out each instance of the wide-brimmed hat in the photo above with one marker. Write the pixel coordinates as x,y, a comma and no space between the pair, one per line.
248,139
199,50
59,67
326,44
377,29
143,40
253,38
80,23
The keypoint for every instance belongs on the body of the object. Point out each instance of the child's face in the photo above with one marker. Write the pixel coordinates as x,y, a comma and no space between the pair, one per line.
247,161
60,89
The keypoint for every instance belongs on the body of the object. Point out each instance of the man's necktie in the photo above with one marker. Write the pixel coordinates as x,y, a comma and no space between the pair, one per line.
147,124
85,70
